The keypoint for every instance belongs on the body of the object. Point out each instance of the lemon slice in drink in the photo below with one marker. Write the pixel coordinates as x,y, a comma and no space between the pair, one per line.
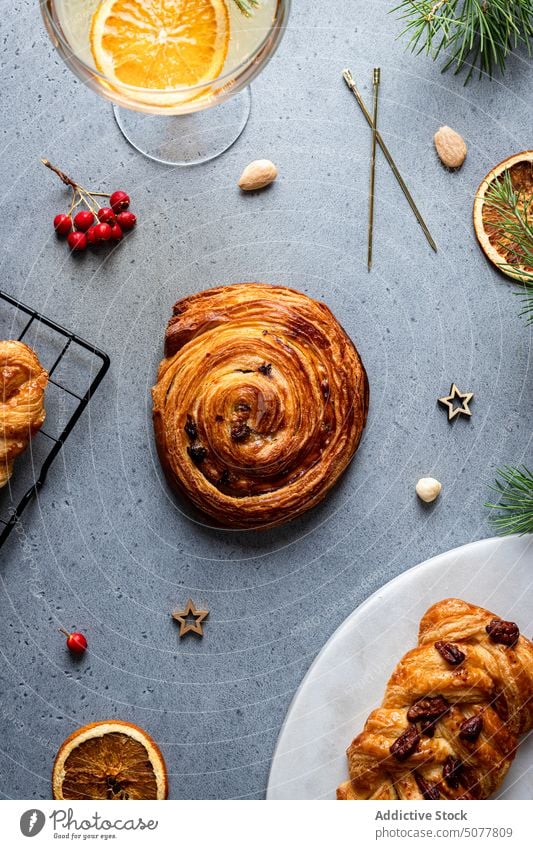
160,45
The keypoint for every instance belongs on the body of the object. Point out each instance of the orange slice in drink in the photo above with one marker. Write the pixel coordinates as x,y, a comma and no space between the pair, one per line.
160,45
109,760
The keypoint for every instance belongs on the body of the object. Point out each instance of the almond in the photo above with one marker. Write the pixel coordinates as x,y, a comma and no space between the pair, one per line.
451,147
257,175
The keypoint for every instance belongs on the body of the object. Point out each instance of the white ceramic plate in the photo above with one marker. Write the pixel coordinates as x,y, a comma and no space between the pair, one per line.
348,678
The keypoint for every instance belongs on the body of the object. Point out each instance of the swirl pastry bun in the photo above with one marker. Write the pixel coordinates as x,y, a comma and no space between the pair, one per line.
22,384
453,710
259,404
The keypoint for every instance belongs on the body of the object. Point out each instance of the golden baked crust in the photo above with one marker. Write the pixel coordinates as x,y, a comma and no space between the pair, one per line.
22,384
259,404
486,702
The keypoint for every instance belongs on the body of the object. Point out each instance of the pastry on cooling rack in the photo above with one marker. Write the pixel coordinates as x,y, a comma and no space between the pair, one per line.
22,384
259,404
453,711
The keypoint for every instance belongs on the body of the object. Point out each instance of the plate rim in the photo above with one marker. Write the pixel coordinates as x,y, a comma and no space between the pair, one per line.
490,541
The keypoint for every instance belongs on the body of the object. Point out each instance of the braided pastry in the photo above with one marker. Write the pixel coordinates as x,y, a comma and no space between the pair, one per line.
453,709
22,384
259,405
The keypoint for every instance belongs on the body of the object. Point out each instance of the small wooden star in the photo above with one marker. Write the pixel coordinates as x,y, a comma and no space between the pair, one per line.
463,409
186,626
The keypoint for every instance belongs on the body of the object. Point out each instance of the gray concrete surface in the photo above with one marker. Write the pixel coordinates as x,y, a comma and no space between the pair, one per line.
107,549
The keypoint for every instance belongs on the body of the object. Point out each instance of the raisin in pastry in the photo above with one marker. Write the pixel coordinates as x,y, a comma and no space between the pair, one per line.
259,405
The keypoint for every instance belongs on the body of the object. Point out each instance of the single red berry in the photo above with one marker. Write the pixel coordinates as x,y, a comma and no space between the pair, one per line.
119,200
83,220
91,234
76,642
62,224
107,216
102,232
116,233
127,220
77,241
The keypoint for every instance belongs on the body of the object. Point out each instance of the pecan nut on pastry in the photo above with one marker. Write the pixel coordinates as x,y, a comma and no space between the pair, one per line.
475,694
22,384
259,404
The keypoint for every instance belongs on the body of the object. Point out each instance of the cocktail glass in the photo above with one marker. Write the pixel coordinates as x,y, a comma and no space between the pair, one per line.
186,125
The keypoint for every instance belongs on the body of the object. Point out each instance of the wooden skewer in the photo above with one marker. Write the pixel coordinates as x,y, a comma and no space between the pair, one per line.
376,79
350,82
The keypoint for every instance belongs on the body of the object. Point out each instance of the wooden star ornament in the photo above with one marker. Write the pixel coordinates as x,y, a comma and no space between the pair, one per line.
448,401
186,625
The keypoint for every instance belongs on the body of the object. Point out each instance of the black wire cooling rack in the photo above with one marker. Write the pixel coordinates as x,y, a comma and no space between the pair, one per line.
79,360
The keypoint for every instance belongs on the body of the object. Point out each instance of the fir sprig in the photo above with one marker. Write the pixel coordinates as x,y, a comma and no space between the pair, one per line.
246,7
515,223
515,506
472,33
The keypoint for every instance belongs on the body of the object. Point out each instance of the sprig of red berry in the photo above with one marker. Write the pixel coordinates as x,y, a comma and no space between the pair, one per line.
96,223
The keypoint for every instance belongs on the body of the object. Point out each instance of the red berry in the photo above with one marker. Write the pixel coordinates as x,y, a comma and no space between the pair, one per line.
76,642
107,216
91,234
102,232
127,220
116,233
118,201
77,241
62,224
83,220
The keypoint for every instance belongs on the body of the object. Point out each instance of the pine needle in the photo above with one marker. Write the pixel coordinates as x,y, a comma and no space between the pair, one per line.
515,507
515,223
474,33
246,7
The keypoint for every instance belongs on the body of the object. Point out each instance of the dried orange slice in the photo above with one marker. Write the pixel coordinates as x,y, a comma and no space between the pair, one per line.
160,44
109,760
487,222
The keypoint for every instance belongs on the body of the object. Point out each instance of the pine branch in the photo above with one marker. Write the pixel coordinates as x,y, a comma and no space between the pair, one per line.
516,501
474,33
515,214
246,7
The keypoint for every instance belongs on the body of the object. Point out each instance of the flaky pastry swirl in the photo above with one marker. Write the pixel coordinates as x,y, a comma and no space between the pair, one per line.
453,710
22,384
259,404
